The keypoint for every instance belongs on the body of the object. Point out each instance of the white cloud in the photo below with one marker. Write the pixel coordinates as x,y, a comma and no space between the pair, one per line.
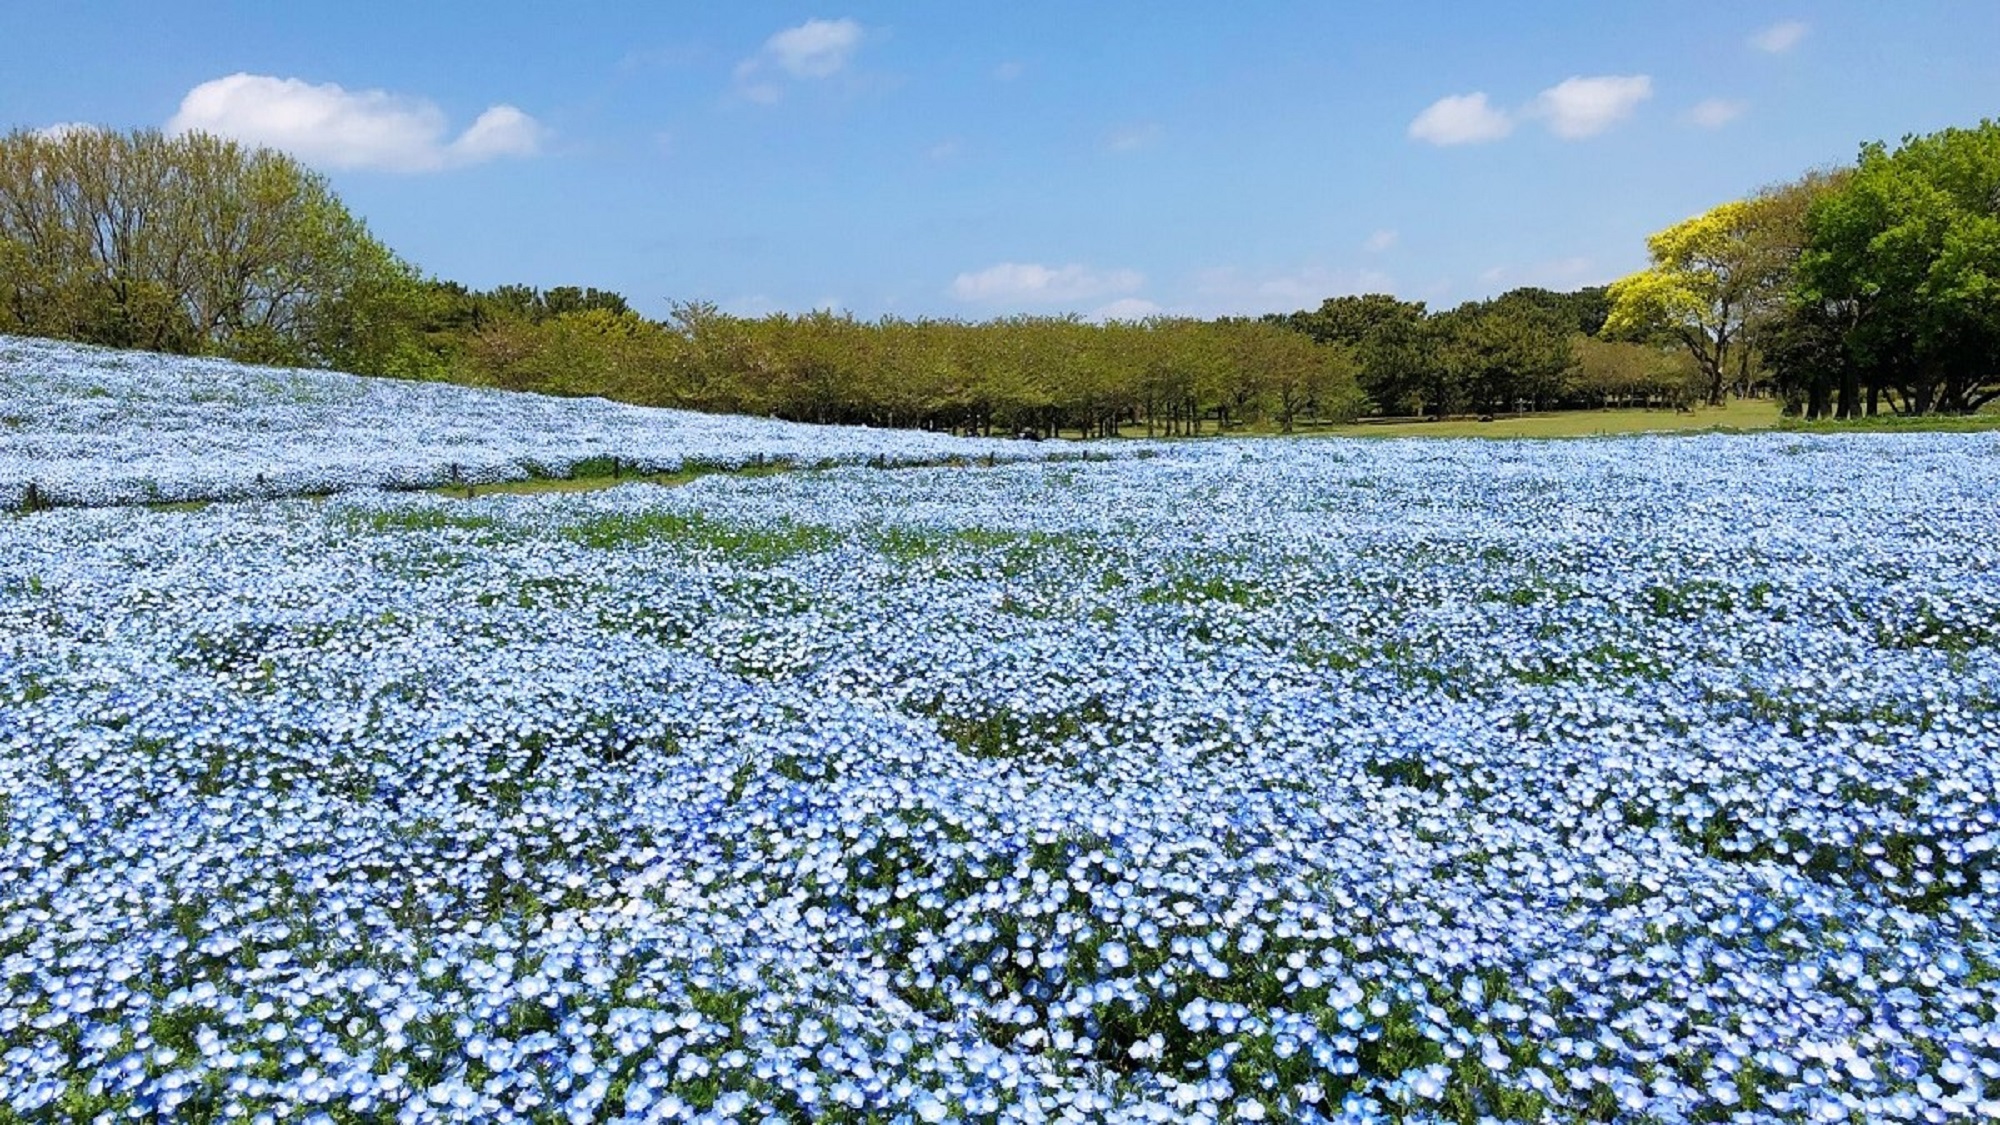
1233,291
1126,308
1008,71
1557,273
1461,119
63,129
1380,241
816,49
1780,37
500,131
945,149
331,126
1011,282
1584,107
1132,138
1714,113
763,93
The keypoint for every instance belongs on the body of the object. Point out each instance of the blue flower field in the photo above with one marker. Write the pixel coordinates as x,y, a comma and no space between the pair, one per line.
1636,780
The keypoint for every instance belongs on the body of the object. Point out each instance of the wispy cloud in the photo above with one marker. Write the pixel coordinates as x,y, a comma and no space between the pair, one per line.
1556,273
1009,70
1032,283
1381,241
330,126
1714,113
1235,291
815,49
63,129
1580,107
1461,119
1132,138
1780,37
1126,308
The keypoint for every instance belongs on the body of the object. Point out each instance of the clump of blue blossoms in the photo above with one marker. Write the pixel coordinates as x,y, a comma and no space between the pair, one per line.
91,426
1649,779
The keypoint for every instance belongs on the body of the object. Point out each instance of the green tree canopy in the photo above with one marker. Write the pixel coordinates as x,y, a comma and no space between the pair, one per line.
1696,290
1906,256
192,243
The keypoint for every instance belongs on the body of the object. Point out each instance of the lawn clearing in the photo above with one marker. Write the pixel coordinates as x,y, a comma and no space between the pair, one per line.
1742,415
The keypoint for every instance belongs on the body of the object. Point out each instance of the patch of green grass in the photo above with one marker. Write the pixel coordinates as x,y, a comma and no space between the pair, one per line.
1188,588
1005,733
1898,424
600,473
1738,414
559,592
692,531
382,521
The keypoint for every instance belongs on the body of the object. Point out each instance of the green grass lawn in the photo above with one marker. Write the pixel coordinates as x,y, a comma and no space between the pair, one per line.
594,478
1738,414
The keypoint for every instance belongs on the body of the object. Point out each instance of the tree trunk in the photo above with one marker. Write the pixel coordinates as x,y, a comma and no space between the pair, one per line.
1850,393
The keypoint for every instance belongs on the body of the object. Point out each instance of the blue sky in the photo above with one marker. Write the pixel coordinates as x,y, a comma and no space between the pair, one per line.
930,159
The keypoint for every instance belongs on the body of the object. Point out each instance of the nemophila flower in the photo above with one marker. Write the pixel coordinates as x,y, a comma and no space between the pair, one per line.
1638,777
94,427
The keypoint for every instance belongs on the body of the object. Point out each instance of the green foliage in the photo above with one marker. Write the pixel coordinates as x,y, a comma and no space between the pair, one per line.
1495,355
1387,337
1040,375
194,244
1841,290
1604,372
1508,353
765,545
1900,278
1695,290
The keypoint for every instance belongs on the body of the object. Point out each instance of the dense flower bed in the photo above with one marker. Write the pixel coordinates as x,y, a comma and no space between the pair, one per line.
91,426
1642,780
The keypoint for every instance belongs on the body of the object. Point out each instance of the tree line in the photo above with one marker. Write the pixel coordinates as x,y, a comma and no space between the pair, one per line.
1040,375
1842,292
1526,350
1849,289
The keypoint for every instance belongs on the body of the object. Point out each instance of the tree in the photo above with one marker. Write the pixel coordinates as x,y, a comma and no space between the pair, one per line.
1904,261
1388,341
1696,290
1499,354
1296,375
1608,372
1721,280
1583,310
196,244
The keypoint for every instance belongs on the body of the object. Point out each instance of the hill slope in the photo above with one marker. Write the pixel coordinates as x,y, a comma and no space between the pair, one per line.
92,427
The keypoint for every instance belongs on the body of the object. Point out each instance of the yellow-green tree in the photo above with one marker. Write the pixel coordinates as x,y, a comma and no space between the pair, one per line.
1703,275
1721,281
